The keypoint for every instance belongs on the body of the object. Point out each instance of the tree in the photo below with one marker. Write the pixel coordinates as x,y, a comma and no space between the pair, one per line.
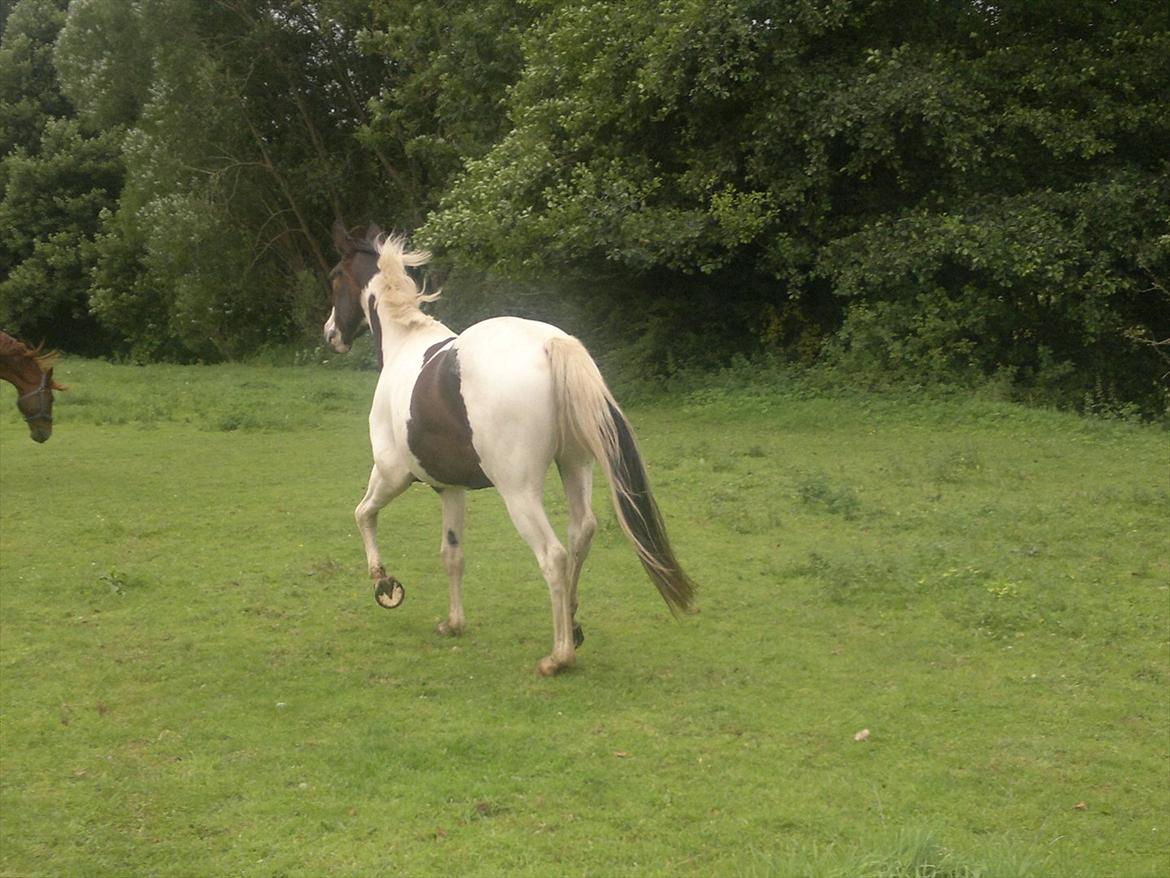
912,190
451,63
55,179
240,154
971,188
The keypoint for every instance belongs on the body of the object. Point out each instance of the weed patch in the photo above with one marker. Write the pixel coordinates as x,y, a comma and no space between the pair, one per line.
818,492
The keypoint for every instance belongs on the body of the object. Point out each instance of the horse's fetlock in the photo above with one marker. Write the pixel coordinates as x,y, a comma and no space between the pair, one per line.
551,664
451,629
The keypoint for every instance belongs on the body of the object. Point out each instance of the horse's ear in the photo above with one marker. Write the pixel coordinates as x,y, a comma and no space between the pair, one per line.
373,233
341,239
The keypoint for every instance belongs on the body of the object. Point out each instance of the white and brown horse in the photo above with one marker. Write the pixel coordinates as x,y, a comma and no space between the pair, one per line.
30,371
493,406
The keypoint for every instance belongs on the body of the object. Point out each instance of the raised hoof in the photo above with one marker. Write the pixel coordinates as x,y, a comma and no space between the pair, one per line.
389,593
449,630
578,636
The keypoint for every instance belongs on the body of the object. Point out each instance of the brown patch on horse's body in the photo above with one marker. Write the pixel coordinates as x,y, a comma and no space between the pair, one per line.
438,432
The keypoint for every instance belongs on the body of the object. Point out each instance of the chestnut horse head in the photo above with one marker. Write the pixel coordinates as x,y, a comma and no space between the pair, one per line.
31,372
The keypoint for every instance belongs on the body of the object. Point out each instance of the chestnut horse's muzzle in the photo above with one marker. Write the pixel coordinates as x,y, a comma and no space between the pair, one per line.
40,421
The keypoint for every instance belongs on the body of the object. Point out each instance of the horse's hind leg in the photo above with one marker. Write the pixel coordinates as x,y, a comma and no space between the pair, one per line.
451,551
528,515
578,481
382,488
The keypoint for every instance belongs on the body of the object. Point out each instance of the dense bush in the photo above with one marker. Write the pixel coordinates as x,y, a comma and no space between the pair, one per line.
948,192
922,191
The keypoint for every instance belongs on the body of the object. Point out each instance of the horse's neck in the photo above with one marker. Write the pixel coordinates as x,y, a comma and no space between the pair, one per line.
15,370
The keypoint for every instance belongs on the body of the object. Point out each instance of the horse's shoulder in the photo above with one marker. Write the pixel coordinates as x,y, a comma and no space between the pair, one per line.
438,431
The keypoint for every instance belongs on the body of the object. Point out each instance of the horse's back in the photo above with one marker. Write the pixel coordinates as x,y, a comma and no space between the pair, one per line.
503,352
504,335
508,389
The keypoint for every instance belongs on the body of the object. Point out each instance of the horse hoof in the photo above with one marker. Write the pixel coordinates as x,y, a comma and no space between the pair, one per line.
389,593
449,630
547,667
578,636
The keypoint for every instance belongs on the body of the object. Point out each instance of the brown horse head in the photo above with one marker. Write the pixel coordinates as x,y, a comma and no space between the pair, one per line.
31,372
357,265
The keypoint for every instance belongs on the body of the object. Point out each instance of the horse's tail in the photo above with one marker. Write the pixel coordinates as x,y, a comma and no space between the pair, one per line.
588,417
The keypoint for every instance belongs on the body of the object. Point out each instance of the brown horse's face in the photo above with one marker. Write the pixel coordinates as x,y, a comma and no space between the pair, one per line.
358,264
37,408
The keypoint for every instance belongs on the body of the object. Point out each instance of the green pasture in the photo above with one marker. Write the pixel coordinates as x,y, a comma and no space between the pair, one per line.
195,679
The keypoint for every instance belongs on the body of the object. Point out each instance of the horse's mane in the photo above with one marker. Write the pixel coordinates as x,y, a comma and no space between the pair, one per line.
45,359
10,346
15,350
394,289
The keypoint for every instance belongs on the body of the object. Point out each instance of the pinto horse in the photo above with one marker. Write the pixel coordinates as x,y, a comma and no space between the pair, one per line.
31,372
493,406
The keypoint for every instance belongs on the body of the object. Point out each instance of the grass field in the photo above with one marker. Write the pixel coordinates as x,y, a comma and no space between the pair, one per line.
195,679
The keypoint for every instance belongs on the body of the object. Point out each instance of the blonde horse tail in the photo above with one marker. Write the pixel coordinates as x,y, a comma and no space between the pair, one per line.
589,418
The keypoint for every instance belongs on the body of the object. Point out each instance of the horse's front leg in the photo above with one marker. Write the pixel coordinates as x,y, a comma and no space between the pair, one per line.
451,551
383,488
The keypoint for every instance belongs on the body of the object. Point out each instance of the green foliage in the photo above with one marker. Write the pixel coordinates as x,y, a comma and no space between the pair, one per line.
28,81
104,56
609,154
966,197
55,179
1052,287
924,191
446,68
241,142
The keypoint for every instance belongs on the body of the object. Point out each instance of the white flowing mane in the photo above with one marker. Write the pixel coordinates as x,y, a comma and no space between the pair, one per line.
396,293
